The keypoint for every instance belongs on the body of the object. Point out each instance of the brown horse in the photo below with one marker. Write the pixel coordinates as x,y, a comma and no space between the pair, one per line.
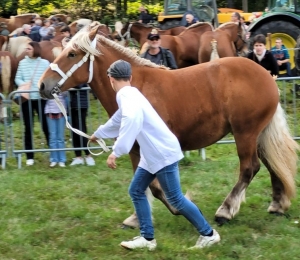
230,38
200,104
16,46
63,17
139,32
17,21
185,46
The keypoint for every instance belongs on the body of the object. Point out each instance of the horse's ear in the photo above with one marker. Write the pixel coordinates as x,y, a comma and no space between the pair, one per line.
94,31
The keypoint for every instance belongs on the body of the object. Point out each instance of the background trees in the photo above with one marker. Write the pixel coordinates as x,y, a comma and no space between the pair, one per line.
103,9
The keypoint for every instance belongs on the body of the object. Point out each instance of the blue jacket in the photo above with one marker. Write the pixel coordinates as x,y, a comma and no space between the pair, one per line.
35,34
25,71
280,54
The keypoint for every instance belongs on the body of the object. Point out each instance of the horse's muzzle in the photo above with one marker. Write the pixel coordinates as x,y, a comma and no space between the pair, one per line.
44,92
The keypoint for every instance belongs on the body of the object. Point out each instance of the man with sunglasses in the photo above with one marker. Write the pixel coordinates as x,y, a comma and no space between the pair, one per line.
158,54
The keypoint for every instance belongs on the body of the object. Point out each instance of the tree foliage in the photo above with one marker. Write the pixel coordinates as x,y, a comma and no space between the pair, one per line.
102,9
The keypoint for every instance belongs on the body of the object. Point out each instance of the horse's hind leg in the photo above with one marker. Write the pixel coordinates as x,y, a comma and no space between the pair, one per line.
249,166
280,202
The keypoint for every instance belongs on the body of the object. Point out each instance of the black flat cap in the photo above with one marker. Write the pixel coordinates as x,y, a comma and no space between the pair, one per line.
119,69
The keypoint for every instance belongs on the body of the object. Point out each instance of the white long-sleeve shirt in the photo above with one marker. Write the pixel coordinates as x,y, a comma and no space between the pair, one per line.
136,119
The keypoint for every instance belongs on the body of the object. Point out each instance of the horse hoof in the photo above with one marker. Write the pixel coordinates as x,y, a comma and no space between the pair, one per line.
280,214
221,220
127,227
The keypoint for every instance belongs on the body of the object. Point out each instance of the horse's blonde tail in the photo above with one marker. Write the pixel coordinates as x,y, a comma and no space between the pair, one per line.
277,146
5,73
214,50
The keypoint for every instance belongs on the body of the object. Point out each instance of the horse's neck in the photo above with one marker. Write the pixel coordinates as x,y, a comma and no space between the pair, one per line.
105,94
232,32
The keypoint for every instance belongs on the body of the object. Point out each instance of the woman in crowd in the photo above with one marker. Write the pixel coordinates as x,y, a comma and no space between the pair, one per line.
56,125
45,29
30,69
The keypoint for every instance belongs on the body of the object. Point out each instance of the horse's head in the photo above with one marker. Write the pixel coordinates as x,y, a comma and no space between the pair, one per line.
240,43
72,67
237,35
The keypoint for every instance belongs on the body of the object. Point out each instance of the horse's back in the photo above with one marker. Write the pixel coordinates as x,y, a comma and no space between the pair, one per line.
224,95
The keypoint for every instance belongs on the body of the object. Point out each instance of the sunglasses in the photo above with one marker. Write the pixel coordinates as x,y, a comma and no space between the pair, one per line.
154,39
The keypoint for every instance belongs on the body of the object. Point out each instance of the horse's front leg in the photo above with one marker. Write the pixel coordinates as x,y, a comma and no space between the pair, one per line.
249,166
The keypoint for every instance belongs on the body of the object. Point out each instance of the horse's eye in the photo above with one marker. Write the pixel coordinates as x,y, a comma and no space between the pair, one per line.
71,55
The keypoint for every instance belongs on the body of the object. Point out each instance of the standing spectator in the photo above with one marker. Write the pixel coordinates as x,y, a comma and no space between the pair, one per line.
190,19
66,31
245,27
144,16
136,120
53,21
3,29
35,34
50,34
60,23
235,17
262,56
158,54
79,108
56,125
26,30
45,29
32,67
282,56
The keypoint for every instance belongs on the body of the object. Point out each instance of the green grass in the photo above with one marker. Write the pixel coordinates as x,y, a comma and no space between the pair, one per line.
76,213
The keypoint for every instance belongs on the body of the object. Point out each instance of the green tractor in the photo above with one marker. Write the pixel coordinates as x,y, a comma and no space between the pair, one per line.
282,21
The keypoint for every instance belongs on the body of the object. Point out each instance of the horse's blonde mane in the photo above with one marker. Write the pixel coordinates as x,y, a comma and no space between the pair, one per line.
82,41
83,21
198,24
225,24
6,73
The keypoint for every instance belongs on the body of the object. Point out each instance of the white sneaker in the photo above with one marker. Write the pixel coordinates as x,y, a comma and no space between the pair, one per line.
62,164
139,242
52,164
206,241
77,161
30,162
89,160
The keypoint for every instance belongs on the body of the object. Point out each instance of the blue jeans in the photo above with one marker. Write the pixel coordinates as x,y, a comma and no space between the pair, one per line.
169,180
56,138
286,66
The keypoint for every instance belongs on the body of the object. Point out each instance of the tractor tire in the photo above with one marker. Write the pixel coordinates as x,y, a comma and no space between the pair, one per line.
284,28
297,57
169,24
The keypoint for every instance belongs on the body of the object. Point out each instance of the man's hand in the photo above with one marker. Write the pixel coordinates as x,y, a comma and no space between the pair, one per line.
279,62
111,161
93,139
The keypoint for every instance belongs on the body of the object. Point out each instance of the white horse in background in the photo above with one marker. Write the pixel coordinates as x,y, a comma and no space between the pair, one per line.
16,45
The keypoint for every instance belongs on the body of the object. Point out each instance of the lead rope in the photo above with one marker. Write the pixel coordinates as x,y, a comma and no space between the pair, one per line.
99,141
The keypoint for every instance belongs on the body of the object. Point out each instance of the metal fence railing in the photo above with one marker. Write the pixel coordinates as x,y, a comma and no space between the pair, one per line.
12,124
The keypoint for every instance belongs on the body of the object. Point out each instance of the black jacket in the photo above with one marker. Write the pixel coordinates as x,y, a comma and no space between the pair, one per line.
83,97
268,62
167,56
